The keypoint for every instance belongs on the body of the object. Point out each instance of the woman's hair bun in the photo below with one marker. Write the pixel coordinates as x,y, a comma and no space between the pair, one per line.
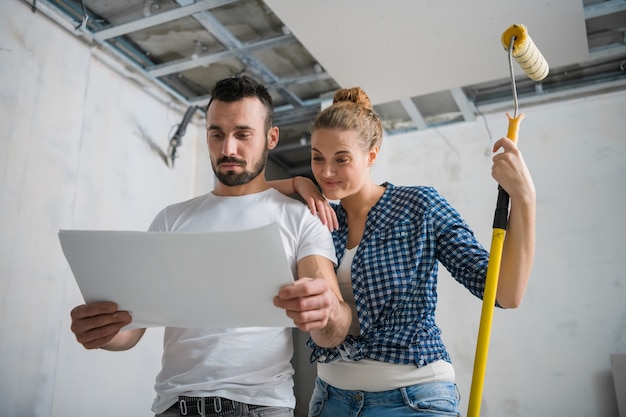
355,95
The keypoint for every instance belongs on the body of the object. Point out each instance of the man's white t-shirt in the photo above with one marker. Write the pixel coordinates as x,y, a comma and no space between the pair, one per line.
250,365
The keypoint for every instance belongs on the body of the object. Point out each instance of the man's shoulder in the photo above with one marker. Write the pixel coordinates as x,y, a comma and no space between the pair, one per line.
279,198
189,202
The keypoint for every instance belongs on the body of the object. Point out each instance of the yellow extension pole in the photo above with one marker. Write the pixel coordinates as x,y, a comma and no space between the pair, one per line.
521,47
491,287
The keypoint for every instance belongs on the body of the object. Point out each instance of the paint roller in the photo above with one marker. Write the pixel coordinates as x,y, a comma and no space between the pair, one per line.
516,40
520,47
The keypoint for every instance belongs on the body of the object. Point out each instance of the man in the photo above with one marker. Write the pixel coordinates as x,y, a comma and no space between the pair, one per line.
245,371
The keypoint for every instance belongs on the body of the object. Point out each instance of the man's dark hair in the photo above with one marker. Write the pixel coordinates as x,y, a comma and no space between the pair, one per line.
237,88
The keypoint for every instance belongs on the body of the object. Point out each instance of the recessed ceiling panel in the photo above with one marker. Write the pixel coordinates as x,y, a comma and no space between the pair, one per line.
178,39
403,48
249,21
394,117
287,61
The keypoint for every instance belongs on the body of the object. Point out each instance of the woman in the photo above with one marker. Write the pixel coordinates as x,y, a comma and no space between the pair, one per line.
388,243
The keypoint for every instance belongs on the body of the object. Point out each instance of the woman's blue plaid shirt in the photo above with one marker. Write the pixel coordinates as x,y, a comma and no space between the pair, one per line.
394,275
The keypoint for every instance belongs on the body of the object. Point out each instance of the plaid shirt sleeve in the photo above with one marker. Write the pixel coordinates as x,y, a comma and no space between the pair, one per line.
458,250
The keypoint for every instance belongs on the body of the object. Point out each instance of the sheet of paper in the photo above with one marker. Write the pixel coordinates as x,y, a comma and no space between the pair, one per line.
225,279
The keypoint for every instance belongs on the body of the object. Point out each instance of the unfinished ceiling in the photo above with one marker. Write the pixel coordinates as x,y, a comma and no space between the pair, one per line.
423,64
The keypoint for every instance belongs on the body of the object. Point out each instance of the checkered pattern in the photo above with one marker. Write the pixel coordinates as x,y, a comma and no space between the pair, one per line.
394,275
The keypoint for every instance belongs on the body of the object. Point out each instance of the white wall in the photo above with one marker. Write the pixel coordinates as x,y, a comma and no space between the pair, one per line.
550,357
72,156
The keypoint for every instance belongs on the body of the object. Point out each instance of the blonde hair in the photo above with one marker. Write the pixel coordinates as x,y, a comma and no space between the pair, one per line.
352,110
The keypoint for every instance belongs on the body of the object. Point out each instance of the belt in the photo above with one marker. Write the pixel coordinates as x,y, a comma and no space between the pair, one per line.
210,407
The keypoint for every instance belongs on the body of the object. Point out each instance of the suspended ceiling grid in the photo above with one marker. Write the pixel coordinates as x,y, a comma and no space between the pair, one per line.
423,64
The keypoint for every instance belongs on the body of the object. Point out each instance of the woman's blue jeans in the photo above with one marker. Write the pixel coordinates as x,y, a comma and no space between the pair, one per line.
433,399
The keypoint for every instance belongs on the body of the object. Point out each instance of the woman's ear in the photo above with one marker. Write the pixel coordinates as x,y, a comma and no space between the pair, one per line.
373,153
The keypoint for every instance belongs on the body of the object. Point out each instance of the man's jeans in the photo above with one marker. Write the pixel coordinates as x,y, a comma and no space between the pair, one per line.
256,412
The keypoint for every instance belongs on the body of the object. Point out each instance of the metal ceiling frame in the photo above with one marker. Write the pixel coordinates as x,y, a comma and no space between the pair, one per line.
107,36
111,37
200,10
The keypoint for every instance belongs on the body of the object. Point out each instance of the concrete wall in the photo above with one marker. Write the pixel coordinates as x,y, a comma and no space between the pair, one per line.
73,156
77,147
550,357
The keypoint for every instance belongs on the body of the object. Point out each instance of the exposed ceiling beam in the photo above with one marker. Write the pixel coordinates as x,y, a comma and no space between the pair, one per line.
604,8
60,16
307,107
159,19
607,52
288,115
193,62
565,93
463,104
318,76
414,113
223,35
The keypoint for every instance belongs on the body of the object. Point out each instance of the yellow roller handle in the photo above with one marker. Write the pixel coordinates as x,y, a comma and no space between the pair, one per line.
513,129
491,287
486,318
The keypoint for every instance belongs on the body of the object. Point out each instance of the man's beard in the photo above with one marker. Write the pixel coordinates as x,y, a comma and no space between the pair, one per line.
232,179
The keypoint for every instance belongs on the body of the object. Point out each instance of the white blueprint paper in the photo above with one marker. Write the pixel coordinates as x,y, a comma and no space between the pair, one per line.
223,279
